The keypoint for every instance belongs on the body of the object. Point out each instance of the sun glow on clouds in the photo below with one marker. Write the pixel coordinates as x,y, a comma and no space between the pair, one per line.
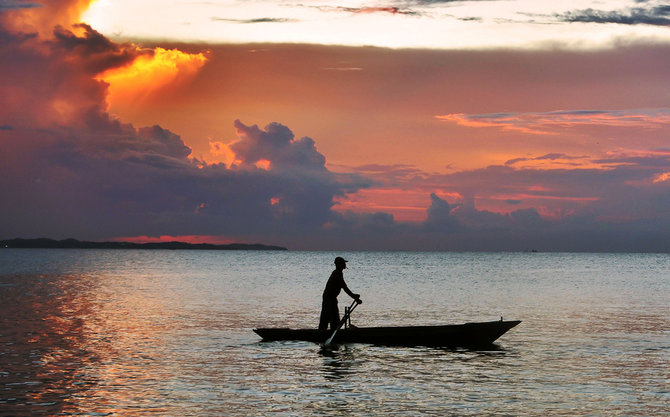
43,16
151,73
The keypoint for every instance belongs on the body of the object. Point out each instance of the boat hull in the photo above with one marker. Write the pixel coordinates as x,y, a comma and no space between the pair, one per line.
466,335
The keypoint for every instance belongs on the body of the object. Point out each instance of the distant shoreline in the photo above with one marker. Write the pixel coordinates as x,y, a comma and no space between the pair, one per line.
44,243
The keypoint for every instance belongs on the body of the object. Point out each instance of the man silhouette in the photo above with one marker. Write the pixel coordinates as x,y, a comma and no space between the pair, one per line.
330,313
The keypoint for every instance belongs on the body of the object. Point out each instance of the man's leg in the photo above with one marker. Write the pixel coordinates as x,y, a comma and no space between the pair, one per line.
334,316
325,316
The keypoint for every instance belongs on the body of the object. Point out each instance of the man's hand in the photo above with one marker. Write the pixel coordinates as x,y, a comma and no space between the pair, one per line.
357,297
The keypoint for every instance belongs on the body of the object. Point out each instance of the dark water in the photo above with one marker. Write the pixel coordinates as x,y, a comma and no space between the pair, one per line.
86,332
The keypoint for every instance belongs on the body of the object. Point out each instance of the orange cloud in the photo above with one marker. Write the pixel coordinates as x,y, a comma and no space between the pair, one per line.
662,177
503,121
221,152
559,161
151,73
264,164
543,123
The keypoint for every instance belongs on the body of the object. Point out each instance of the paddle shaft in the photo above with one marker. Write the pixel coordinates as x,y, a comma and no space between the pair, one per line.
344,320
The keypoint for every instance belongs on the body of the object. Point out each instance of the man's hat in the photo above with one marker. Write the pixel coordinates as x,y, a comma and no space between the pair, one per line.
340,259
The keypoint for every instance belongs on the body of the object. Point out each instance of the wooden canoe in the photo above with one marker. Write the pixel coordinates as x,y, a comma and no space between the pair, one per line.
468,335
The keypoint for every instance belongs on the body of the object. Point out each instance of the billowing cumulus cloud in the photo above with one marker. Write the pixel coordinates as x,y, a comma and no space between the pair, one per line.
277,145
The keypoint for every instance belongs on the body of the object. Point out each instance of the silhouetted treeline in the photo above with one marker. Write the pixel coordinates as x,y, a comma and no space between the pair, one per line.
76,244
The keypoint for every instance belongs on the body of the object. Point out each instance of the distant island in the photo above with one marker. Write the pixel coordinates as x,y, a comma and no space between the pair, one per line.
44,243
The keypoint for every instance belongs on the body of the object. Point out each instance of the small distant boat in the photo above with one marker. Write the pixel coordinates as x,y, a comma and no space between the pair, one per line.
467,335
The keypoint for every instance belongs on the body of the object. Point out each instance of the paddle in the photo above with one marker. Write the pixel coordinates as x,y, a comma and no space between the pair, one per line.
344,320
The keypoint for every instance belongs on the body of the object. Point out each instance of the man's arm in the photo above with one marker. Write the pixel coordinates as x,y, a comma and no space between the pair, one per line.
348,291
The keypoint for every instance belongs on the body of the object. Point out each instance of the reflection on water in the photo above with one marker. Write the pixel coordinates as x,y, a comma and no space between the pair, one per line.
42,353
62,351
338,362
169,333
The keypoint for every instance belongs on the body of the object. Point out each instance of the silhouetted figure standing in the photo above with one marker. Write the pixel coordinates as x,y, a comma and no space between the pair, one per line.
330,313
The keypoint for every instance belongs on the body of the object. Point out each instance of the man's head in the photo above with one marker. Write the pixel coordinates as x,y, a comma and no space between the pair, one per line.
340,263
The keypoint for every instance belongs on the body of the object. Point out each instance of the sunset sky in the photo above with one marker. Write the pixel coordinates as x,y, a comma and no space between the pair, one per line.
409,125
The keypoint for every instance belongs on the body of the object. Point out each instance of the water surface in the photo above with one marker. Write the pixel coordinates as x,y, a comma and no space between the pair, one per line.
114,332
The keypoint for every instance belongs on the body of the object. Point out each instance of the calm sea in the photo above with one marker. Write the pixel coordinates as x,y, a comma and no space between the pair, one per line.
113,332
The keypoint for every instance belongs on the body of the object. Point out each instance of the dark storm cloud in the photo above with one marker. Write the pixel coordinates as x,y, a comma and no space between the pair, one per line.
96,52
657,16
127,181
